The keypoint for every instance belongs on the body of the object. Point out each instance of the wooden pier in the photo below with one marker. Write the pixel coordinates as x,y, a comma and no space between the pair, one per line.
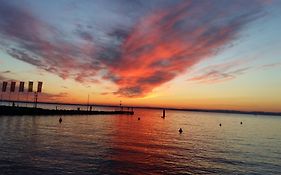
18,111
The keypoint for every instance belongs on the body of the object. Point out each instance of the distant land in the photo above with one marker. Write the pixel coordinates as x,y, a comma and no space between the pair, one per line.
160,108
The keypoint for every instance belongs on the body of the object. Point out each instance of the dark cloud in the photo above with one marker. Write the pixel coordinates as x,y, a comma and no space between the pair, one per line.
156,78
6,72
4,75
41,45
219,72
24,56
272,65
85,35
138,45
130,91
17,23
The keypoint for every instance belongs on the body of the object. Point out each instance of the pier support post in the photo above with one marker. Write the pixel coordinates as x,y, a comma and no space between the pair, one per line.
35,99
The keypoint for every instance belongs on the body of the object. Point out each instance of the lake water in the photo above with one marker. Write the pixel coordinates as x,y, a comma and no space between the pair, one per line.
121,144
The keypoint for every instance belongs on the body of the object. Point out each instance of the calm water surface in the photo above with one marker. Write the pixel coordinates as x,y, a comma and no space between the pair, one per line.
120,144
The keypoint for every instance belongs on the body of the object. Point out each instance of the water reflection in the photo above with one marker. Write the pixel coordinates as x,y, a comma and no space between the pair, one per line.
125,145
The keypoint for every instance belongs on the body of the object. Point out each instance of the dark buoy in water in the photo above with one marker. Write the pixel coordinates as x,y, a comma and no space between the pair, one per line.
220,124
60,120
241,123
138,118
180,130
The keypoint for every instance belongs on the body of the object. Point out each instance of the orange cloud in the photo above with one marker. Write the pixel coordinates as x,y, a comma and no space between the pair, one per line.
166,43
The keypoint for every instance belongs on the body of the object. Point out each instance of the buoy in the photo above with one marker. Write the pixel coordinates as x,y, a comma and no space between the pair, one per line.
241,123
220,124
180,130
138,118
60,120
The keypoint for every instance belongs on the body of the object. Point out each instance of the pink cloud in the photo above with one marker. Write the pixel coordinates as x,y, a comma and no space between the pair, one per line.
161,45
166,43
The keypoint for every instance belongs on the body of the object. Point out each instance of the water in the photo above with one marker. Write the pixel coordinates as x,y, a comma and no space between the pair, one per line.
121,144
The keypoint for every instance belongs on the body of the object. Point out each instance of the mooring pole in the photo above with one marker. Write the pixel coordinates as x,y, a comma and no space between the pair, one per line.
88,102
26,99
35,99
121,108
10,98
1,98
18,98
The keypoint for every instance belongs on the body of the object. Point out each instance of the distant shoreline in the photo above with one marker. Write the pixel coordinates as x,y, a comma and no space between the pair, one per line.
160,108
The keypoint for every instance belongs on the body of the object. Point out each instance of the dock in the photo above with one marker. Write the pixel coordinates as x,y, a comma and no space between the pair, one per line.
19,111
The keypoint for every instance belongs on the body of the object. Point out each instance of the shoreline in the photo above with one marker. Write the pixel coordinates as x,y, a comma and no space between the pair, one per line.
160,108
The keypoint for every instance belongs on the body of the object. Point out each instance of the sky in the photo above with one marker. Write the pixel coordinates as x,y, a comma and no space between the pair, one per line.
217,54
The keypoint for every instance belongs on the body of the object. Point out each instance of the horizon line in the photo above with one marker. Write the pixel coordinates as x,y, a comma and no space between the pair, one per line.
157,107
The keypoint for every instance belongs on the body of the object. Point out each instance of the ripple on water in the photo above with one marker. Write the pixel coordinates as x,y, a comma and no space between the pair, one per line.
124,145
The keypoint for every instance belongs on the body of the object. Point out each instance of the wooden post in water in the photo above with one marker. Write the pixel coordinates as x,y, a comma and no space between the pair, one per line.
164,113
121,107
35,99
88,102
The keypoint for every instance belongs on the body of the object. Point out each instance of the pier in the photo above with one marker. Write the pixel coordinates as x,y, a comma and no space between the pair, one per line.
17,111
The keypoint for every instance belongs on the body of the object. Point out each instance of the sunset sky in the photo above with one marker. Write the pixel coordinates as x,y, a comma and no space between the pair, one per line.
167,53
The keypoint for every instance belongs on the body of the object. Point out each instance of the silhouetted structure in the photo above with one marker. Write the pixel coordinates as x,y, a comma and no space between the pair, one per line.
121,107
10,111
180,130
164,113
